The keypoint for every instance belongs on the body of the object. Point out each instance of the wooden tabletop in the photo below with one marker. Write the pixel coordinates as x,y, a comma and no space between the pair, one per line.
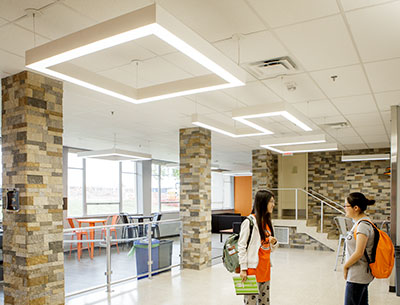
91,220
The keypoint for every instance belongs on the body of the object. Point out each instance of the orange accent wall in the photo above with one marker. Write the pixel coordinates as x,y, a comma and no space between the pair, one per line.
243,195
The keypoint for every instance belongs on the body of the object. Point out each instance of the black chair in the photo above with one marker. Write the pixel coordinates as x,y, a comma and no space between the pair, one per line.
155,228
131,231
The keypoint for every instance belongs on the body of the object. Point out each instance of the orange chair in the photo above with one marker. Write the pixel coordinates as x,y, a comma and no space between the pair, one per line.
114,220
78,234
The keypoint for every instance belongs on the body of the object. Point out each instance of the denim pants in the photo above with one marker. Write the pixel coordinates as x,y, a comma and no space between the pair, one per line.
356,294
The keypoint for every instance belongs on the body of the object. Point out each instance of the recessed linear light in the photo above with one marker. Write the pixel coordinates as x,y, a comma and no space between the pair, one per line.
52,58
277,109
115,154
374,157
228,131
303,148
246,173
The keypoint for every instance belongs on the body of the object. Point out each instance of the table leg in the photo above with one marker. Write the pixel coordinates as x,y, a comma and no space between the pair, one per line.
220,237
91,243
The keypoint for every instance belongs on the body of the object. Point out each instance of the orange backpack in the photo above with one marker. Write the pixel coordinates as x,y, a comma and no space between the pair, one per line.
382,256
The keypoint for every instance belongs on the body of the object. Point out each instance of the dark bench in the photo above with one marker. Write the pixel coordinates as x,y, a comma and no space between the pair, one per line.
224,221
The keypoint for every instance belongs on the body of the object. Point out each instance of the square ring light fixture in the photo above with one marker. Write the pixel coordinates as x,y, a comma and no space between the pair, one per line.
244,115
207,123
115,154
311,143
282,109
52,58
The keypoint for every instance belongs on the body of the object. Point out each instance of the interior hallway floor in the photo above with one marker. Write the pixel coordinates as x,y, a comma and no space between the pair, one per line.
300,277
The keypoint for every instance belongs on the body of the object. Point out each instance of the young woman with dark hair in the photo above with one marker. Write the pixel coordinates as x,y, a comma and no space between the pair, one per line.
254,256
356,269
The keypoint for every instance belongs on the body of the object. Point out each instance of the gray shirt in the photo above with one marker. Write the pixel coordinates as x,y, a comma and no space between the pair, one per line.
359,272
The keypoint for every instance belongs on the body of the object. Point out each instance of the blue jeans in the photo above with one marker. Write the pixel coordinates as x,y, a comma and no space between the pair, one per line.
356,294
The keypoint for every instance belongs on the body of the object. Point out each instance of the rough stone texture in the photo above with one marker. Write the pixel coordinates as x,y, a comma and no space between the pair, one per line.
303,241
335,179
32,127
195,196
265,173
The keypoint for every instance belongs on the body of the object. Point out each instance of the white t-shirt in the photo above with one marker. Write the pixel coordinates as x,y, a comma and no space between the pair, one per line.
360,272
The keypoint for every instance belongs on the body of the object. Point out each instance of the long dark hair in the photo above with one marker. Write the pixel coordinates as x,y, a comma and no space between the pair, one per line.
260,209
358,199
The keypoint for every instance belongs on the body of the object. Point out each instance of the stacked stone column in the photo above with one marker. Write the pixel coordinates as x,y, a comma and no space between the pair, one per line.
265,172
195,196
32,128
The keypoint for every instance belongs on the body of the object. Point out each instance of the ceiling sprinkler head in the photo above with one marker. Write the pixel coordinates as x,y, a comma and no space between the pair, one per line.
334,77
291,86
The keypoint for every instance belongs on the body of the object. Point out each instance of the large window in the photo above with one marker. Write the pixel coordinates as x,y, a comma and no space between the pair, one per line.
98,186
221,191
165,187
102,186
75,185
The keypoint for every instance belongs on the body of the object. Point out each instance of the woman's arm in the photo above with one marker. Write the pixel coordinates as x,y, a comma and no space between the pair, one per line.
242,247
361,244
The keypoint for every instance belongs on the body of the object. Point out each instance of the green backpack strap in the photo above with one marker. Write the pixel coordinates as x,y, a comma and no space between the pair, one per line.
251,230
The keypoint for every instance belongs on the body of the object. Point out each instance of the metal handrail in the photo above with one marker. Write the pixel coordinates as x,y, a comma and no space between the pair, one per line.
326,198
296,190
108,240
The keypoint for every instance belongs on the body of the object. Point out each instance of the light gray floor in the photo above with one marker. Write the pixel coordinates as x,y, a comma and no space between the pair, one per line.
88,273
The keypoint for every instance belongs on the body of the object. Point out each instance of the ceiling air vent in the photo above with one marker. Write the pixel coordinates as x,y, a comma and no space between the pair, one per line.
271,67
337,125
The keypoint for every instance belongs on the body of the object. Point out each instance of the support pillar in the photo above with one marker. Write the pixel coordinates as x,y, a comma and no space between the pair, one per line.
32,128
195,196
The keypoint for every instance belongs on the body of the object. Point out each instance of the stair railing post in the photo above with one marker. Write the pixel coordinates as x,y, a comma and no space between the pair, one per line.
295,191
322,216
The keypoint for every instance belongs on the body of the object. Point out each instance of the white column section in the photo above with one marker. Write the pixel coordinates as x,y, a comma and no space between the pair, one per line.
395,175
144,187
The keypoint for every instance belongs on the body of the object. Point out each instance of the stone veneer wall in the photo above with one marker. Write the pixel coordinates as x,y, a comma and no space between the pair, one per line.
265,172
303,241
335,179
195,196
32,128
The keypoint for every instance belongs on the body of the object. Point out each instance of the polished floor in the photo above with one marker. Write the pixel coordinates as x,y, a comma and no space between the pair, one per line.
299,277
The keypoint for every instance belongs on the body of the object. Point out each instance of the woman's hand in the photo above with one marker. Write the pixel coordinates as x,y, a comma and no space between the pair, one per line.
345,272
243,275
272,240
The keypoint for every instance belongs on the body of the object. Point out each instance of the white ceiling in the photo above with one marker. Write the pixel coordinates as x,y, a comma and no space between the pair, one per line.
355,40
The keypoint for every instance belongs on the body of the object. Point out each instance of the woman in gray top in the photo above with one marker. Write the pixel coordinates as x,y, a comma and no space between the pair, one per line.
356,269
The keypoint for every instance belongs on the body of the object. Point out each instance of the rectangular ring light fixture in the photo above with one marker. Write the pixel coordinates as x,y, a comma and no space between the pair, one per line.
201,121
283,109
115,154
311,139
52,58
301,148
375,157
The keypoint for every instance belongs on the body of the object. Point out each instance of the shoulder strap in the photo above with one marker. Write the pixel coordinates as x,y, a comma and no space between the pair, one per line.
251,230
376,239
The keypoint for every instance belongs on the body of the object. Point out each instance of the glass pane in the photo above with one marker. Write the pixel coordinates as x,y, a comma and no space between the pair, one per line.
169,188
155,169
217,191
128,167
75,192
129,197
102,181
101,209
155,203
74,161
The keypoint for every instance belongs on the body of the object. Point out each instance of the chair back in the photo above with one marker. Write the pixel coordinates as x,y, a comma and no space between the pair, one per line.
115,219
156,217
71,222
125,218
344,224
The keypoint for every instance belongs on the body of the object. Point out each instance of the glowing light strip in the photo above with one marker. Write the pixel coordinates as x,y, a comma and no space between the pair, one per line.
293,151
156,29
375,157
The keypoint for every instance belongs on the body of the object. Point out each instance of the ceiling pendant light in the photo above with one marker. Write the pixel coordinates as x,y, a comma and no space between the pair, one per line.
282,109
115,154
53,57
